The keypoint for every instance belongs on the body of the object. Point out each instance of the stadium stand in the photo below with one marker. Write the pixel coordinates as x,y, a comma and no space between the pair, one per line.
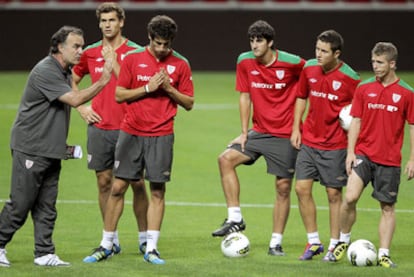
250,1
206,4
213,31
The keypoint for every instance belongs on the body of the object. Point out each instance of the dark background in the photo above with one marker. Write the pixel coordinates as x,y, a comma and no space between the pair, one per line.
212,39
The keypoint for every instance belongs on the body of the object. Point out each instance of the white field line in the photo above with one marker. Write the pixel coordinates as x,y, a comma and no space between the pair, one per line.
199,204
215,106
197,106
9,106
195,204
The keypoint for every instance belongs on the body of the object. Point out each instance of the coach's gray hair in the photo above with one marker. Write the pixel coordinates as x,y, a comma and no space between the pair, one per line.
61,35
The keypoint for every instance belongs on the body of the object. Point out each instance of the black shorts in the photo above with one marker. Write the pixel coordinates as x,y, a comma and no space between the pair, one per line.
279,153
136,154
101,148
385,179
326,166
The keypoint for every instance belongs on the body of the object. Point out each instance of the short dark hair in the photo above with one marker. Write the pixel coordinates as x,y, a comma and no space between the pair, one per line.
334,38
61,35
386,48
261,29
108,7
162,26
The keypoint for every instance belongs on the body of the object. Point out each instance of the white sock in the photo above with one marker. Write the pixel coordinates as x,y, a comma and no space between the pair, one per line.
152,240
313,238
107,240
234,214
275,240
142,237
383,252
116,238
333,243
345,237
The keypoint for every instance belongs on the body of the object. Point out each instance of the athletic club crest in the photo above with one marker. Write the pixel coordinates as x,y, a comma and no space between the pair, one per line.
280,74
170,69
396,97
29,164
336,85
358,162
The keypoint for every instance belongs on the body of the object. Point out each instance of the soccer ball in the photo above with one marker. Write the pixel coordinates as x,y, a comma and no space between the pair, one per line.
345,118
235,245
362,253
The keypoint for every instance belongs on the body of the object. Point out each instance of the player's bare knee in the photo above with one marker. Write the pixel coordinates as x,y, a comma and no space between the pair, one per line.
283,186
117,193
225,162
118,190
222,160
104,188
302,192
335,197
139,189
334,200
350,202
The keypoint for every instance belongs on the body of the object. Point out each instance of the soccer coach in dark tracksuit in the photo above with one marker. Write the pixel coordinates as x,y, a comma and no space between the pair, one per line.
38,143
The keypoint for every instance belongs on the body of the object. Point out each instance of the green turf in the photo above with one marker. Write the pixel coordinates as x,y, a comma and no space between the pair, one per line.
195,204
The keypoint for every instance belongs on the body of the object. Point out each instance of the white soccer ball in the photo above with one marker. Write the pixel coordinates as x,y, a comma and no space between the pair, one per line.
362,253
345,118
235,245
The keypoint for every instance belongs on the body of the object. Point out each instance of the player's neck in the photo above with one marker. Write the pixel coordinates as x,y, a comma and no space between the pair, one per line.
389,79
157,57
61,61
114,42
268,59
331,67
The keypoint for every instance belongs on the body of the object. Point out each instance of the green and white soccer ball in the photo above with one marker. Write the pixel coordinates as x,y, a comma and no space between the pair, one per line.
362,253
345,117
235,245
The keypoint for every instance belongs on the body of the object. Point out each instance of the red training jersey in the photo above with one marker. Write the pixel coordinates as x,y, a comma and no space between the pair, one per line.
327,94
271,89
153,115
383,112
92,63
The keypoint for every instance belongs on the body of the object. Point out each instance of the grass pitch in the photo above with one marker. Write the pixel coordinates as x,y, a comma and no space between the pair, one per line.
195,204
